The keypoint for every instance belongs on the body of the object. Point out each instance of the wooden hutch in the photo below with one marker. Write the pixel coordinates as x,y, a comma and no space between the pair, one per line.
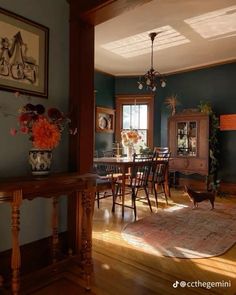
188,140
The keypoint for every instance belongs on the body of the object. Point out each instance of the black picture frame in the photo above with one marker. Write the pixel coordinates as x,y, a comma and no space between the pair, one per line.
24,46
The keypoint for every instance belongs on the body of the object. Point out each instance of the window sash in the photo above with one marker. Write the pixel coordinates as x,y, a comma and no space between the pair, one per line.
139,101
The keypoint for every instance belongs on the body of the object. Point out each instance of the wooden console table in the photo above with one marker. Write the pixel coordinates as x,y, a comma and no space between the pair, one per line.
15,190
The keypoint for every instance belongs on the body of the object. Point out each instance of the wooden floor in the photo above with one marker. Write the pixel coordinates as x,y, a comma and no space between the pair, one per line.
119,269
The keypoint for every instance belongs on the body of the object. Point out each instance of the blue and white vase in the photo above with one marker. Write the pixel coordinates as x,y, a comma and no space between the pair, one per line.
40,161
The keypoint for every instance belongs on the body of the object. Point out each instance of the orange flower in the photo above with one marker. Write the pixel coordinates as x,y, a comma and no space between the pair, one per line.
45,134
130,137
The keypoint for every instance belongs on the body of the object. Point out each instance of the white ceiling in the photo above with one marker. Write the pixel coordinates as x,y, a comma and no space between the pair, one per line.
194,33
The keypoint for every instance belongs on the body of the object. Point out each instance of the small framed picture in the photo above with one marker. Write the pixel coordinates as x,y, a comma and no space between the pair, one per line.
23,55
105,120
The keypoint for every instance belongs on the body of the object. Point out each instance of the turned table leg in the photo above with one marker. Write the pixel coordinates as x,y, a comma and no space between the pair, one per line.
86,239
55,239
16,257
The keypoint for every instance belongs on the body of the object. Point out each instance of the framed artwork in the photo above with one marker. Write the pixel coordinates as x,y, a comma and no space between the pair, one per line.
105,119
23,55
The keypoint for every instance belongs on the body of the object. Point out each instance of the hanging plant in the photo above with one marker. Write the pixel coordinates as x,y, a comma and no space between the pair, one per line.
206,108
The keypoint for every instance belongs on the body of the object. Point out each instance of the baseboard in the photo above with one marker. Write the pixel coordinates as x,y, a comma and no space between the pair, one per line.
34,256
229,188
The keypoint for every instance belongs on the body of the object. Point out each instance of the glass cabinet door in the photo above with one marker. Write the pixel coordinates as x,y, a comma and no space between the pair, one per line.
187,138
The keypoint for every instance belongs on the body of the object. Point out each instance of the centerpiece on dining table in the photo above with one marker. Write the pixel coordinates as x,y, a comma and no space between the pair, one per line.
130,139
44,128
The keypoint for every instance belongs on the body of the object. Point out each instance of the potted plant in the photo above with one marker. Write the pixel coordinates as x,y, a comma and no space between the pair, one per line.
213,181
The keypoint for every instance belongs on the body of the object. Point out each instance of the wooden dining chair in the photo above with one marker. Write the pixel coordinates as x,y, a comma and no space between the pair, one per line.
161,150
159,175
137,181
104,189
105,183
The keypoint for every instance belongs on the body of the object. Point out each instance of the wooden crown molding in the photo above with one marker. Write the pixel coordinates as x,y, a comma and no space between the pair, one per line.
96,12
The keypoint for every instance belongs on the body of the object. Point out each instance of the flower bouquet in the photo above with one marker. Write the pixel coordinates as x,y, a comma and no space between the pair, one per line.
44,129
130,138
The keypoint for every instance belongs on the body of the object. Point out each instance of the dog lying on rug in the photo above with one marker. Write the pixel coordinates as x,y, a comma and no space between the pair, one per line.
197,197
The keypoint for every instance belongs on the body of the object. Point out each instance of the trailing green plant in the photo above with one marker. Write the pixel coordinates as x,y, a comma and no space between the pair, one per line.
206,107
145,150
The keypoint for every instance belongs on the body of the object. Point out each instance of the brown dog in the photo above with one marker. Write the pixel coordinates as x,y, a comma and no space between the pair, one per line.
197,197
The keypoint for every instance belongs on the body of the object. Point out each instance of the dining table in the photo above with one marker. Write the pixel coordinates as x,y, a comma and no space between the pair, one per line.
124,164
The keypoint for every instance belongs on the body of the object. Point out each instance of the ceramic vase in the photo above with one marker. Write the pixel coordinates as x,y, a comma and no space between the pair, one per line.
40,161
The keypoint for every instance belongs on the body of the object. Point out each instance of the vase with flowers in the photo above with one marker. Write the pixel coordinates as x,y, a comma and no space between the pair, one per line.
44,128
130,139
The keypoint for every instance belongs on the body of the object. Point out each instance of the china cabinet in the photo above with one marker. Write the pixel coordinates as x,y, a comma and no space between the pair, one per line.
188,140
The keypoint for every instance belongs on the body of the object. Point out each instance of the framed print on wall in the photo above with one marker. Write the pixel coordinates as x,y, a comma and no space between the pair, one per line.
23,55
105,119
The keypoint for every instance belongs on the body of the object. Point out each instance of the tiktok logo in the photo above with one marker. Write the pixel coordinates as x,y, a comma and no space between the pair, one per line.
175,284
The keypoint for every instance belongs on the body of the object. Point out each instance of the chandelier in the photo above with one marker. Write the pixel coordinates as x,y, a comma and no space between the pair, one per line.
152,78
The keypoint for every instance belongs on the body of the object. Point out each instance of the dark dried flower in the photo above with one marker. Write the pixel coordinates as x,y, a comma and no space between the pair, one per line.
40,109
29,107
25,118
54,114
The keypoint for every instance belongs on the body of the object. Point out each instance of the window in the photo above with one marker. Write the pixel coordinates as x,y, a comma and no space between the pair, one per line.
135,112
135,117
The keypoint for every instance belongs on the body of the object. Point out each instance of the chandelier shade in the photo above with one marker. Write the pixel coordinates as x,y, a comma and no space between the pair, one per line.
152,79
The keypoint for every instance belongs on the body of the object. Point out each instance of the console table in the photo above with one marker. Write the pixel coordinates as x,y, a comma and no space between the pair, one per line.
15,190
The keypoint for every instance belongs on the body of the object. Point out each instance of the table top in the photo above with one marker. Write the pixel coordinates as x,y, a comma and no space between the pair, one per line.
48,186
113,160
119,160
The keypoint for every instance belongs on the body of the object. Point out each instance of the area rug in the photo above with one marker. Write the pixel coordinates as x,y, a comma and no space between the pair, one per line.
180,231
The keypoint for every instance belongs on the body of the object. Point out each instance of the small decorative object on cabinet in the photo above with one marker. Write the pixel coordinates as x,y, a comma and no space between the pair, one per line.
188,137
105,119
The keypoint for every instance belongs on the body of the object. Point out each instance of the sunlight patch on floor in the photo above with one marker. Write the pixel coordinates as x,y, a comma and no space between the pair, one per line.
176,207
194,253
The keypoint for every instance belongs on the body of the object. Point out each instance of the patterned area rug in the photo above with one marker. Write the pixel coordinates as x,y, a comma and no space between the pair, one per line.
180,231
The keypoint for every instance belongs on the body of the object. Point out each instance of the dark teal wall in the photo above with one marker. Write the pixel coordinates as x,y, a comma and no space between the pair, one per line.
104,86
217,85
36,215
214,84
125,85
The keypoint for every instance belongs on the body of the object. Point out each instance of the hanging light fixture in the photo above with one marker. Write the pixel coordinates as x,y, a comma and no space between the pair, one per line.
152,79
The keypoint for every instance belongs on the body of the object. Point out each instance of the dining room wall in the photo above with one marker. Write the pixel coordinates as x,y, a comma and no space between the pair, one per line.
36,215
214,84
104,87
